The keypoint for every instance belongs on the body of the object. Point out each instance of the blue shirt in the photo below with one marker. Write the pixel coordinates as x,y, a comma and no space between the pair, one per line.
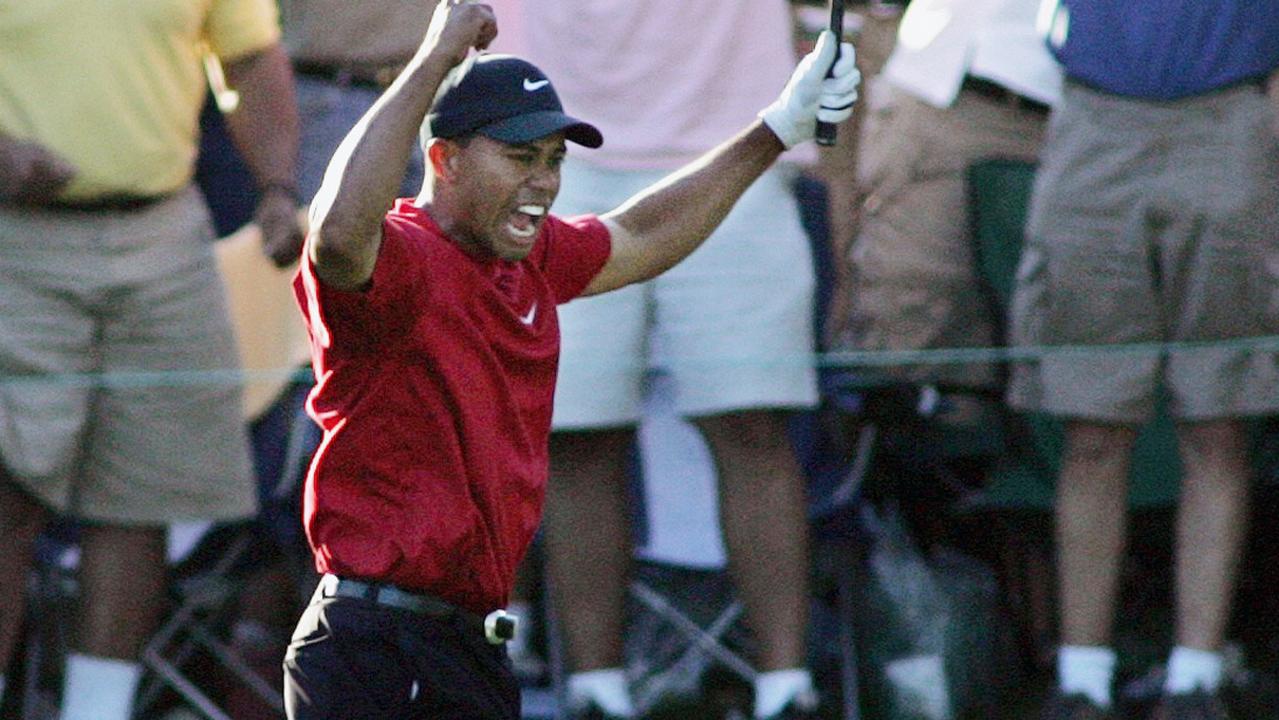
1165,49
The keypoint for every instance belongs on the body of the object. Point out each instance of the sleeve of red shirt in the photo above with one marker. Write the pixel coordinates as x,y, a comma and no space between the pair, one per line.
577,248
358,319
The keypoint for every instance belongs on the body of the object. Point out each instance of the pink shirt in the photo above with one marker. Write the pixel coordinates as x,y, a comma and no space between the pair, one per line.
664,80
434,390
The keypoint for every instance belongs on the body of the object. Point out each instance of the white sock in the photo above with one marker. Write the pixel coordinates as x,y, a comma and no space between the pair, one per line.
96,688
776,688
606,687
1086,670
1190,669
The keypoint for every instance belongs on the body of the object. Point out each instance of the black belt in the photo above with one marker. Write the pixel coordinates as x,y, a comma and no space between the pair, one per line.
1259,83
347,75
994,91
497,627
108,203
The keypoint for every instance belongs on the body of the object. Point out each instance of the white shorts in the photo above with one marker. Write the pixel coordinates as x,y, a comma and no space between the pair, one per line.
732,324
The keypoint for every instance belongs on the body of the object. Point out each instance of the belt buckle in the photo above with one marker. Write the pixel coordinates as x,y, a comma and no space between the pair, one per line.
500,626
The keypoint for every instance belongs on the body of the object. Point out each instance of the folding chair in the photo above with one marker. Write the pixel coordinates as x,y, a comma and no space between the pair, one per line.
206,587
684,617
45,635
204,597
46,642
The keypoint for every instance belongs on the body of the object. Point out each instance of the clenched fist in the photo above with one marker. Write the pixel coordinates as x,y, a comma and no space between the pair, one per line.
30,172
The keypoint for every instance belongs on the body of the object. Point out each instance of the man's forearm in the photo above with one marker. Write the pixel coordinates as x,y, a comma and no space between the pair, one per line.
668,221
264,125
665,223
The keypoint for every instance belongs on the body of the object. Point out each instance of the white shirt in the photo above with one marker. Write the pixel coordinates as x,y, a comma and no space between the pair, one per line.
941,41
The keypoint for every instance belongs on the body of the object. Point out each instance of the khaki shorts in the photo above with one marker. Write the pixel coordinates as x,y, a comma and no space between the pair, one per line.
732,324
914,285
1151,223
134,296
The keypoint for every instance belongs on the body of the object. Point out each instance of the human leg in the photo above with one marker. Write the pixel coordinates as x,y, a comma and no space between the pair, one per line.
122,581
21,520
1092,493
151,452
175,446
1210,532
762,511
588,555
763,515
122,584
597,405
44,331
1228,233
734,334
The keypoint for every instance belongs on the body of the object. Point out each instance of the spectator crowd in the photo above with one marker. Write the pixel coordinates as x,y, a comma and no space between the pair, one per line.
1146,288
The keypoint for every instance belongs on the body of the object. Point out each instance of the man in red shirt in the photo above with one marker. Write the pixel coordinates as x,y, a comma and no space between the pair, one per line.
435,343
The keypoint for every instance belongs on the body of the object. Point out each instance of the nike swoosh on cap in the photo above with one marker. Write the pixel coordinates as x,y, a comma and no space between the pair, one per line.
532,85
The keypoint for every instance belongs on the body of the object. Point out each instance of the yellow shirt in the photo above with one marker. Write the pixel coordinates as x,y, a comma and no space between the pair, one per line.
116,86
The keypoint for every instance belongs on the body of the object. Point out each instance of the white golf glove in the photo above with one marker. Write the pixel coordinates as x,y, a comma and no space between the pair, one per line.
810,96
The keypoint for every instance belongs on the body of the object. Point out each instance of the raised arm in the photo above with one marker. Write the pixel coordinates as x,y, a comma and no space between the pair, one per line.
364,174
666,222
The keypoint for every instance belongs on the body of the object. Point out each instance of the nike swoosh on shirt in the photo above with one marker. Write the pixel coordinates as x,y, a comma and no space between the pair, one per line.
532,313
532,85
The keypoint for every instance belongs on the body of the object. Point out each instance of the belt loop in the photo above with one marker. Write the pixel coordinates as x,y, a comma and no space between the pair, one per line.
328,586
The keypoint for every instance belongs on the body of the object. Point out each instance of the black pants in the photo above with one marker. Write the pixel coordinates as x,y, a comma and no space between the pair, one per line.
352,659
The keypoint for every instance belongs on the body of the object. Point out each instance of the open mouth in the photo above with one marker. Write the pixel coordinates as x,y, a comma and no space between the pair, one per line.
525,220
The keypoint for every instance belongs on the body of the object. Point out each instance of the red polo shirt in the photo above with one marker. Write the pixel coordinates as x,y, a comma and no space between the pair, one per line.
434,389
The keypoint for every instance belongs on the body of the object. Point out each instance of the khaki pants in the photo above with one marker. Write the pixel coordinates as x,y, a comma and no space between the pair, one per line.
914,278
119,391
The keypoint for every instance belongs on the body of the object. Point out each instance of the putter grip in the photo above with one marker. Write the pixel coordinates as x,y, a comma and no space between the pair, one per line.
826,132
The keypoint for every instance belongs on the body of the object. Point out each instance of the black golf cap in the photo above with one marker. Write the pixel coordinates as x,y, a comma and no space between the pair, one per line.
507,99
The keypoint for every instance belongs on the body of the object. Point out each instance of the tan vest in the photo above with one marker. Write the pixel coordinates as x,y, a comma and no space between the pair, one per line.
371,34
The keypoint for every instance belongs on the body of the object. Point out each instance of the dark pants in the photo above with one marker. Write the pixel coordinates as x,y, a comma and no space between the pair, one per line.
353,659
